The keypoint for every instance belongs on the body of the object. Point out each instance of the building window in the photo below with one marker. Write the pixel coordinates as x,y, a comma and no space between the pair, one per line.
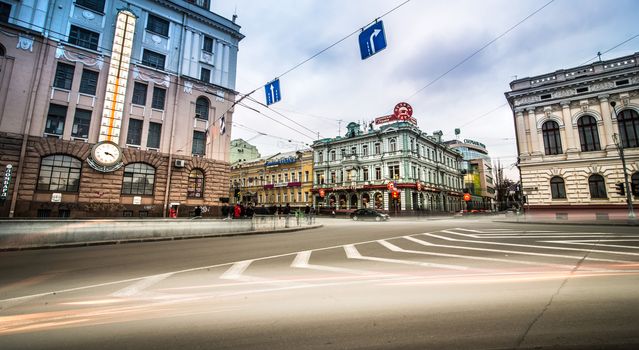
306,175
153,140
378,148
201,3
629,128
333,156
84,38
157,25
557,188
393,171
138,179
365,174
55,119
159,96
59,172
153,59
588,133
552,139
392,145
353,151
198,143
364,150
5,12
202,108
634,184
343,153
597,186
63,76
139,94
89,82
81,123
207,46
320,157
196,184
95,5
333,177
378,173
134,136
205,75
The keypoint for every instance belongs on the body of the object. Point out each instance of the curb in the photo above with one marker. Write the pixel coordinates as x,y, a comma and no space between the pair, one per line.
585,223
156,239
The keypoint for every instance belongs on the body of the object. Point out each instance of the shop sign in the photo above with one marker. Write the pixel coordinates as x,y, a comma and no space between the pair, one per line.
5,182
287,160
294,184
472,142
280,184
137,200
402,112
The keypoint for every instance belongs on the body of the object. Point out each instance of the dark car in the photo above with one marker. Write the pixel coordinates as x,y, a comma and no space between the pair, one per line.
368,214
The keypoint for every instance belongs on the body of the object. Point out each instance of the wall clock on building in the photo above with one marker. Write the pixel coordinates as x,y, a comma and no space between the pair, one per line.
106,156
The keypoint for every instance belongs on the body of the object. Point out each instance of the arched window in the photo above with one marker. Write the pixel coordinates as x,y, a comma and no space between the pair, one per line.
59,172
202,108
557,187
629,128
597,186
552,139
138,179
196,184
588,133
392,145
634,184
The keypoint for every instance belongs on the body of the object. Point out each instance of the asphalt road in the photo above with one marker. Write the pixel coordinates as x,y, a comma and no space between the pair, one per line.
446,284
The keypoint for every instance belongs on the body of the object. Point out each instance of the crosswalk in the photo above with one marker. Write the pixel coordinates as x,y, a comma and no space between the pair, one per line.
452,255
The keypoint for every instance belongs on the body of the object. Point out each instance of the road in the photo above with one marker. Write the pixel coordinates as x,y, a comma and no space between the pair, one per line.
444,284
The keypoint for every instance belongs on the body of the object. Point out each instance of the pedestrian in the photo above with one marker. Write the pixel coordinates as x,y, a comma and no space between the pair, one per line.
198,211
237,211
287,209
307,209
173,212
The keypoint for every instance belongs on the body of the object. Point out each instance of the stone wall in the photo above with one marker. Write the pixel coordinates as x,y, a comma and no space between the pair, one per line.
100,194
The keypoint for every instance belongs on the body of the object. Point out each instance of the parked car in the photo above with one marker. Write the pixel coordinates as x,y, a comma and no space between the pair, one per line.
368,214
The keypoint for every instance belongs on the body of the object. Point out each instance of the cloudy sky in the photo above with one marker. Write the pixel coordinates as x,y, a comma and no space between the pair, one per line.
425,39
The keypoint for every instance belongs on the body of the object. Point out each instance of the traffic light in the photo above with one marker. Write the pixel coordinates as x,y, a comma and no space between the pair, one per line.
467,197
620,188
395,194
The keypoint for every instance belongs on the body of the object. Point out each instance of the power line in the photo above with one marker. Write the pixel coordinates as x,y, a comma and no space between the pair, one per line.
605,52
480,49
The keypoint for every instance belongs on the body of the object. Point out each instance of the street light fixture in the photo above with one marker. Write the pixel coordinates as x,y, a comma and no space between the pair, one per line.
619,144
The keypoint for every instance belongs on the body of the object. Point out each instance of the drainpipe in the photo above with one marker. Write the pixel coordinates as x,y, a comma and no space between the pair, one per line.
37,77
173,120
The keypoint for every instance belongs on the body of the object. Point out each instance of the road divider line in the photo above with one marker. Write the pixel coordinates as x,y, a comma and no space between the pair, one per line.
302,258
141,285
353,253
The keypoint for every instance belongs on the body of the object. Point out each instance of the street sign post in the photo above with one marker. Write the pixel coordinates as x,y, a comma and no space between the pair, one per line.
372,40
272,90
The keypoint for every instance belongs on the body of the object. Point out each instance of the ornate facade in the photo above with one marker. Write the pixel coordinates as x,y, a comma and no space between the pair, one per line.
152,81
396,168
568,124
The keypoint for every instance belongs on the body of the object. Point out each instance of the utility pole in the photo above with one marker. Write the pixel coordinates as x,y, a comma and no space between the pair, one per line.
619,143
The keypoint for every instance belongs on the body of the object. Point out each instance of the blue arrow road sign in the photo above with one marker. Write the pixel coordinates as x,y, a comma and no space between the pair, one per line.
273,92
372,40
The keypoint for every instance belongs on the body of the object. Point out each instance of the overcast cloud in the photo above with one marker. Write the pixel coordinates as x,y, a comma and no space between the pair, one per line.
425,39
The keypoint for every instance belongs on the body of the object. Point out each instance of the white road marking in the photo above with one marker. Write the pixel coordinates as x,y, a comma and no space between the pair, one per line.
534,246
140,285
352,253
302,258
513,251
591,242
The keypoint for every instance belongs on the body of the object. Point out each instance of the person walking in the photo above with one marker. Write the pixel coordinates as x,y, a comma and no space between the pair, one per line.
237,211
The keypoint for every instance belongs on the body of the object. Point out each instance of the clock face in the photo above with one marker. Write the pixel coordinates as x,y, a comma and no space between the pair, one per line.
106,153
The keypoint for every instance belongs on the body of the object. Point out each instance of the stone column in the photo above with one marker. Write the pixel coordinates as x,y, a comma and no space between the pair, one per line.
572,146
534,135
608,128
521,133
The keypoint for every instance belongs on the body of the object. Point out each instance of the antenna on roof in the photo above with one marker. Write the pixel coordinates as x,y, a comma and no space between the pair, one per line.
235,14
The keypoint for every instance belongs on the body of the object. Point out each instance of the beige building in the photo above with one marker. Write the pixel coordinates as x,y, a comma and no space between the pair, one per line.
566,124
274,180
115,109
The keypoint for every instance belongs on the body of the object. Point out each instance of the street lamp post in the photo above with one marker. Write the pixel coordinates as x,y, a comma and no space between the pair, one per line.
619,144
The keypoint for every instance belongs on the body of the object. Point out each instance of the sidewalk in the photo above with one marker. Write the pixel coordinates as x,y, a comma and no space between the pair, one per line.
522,219
42,234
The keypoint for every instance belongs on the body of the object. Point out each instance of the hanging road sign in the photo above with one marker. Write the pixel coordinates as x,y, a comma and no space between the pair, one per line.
273,92
372,40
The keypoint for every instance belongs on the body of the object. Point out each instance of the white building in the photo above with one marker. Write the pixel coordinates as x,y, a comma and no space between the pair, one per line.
566,124
396,168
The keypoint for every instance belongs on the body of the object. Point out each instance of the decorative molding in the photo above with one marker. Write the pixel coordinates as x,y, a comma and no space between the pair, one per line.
71,56
548,116
157,80
25,43
88,15
188,87
586,111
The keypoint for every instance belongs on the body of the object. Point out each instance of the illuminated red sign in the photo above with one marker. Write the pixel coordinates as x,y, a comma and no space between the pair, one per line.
402,112
322,193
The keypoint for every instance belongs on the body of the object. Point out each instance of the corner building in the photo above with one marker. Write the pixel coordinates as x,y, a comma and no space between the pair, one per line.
151,82
566,124
396,168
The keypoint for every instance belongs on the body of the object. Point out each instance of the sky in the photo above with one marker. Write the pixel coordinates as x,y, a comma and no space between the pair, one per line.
433,60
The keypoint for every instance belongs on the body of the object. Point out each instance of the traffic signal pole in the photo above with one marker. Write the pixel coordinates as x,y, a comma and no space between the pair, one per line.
631,211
